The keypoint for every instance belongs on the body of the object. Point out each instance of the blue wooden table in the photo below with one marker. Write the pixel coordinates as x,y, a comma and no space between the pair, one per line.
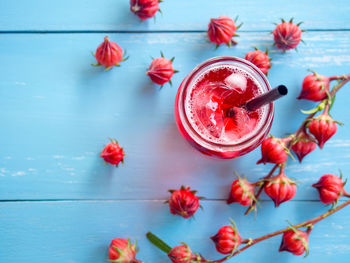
60,203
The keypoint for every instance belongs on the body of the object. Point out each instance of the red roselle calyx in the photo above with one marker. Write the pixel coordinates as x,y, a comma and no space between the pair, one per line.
295,241
122,251
303,145
144,9
280,188
183,202
322,127
221,30
112,153
287,35
161,70
330,188
315,87
241,192
273,150
259,59
227,239
181,254
109,54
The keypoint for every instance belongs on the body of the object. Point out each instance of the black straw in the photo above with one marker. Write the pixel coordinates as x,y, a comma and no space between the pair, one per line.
266,98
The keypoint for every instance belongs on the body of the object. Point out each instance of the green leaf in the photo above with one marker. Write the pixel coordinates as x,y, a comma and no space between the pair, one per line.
158,242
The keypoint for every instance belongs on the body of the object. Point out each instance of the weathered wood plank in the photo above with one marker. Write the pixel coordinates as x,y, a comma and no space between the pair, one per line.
57,112
177,15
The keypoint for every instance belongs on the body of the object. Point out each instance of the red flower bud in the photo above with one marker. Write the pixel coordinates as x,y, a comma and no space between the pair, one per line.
295,241
330,188
315,87
287,35
161,70
109,54
183,202
227,239
144,9
181,254
221,30
112,153
122,251
323,127
273,150
241,192
280,188
259,59
303,145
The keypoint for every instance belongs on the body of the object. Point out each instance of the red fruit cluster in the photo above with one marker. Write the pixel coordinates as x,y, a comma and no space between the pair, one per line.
280,188
273,150
295,241
144,9
259,59
183,202
330,188
181,254
322,127
112,153
303,145
315,87
241,192
287,35
227,239
122,251
161,70
109,54
221,30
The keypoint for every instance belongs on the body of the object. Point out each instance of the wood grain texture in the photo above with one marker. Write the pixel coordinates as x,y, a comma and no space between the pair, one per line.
81,231
90,15
57,113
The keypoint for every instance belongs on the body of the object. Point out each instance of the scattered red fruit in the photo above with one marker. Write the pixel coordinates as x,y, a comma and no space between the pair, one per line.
227,239
122,251
259,59
109,54
241,192
161,70
280,188
287,35
330,188
315,87
112,153
183,202
295,241
144,9
221,30
303,145
322,127
273,150
181,254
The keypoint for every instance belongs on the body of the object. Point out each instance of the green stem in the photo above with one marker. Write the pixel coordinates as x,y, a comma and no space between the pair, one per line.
158,242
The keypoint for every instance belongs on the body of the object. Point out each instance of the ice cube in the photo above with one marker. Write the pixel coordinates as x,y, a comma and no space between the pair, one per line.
236,82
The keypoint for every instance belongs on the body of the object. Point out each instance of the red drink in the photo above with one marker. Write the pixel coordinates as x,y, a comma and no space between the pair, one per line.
208,107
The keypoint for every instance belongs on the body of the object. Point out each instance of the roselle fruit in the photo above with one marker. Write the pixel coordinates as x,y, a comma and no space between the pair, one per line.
112,153
181,254
227,239
183,202
144,9
330,188
315,87
122,251
287,35
295,241
322,127
221,30
280,188
259,59
241,192
273,150
161,70
303,145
